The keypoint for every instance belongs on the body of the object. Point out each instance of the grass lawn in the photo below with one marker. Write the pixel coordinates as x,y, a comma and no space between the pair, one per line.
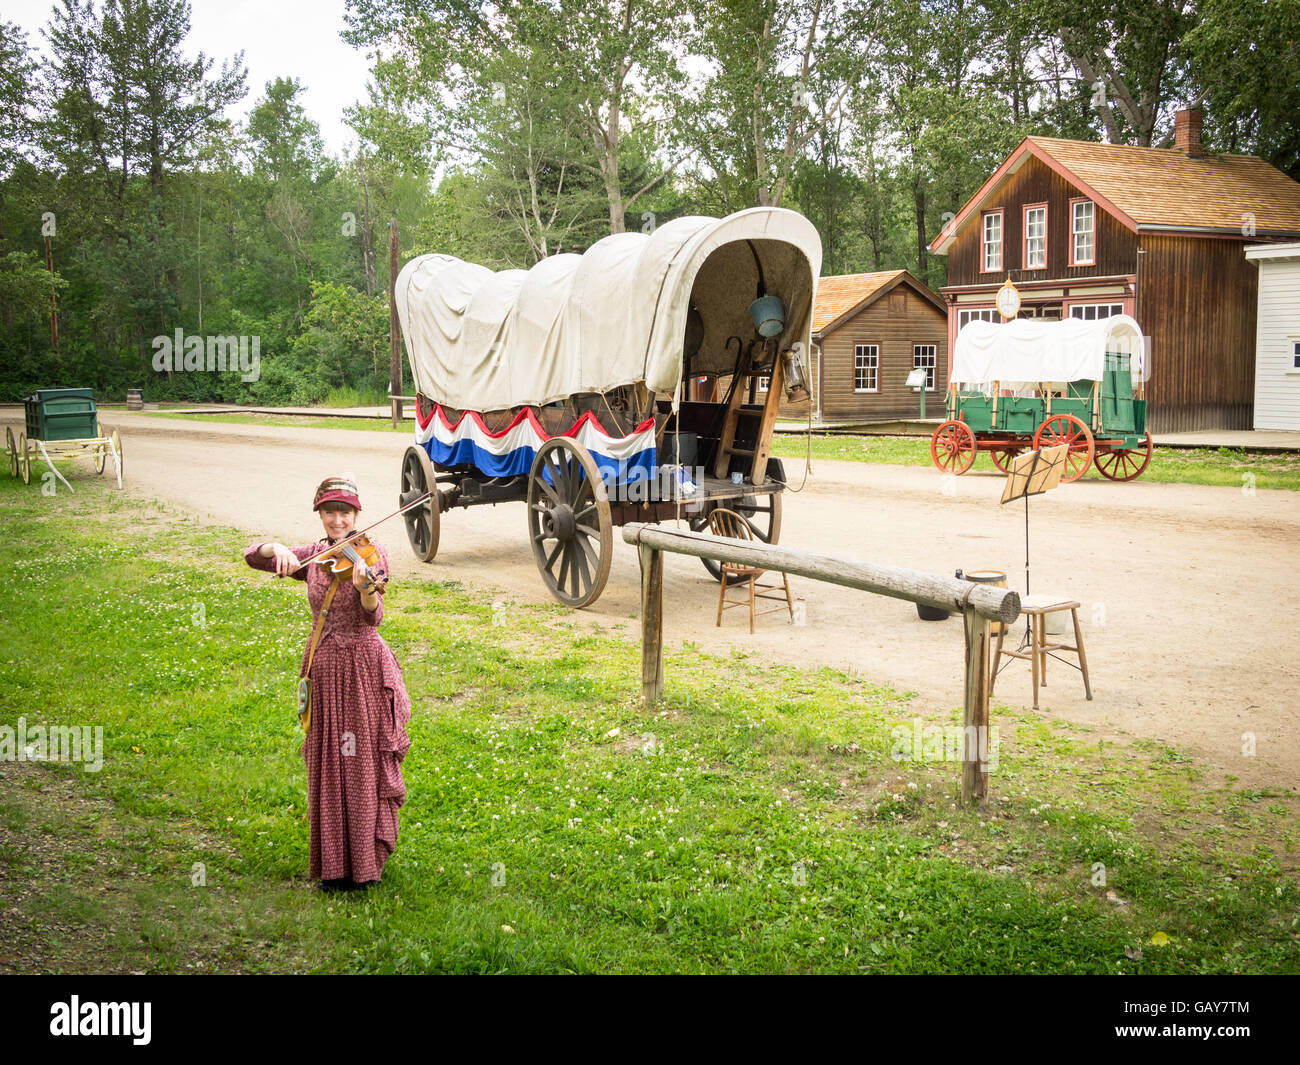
755,821
1221,466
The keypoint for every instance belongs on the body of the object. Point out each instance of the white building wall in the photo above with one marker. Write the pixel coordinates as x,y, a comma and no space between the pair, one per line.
1277,378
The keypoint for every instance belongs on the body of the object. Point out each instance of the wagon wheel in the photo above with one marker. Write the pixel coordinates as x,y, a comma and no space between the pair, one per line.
569,522
423,523
1067,429
117,450
953,447
1003,459
24,459
761,513
101,456
12,449
1124,463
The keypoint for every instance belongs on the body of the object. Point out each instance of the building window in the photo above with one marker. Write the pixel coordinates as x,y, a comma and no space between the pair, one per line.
923,355
866,367
1090,312
764,383
1083,224
1036,237
992,241
981,314
1295,354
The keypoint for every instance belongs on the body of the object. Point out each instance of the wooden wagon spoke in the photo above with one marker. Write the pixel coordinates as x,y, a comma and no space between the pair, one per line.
550,492
580,567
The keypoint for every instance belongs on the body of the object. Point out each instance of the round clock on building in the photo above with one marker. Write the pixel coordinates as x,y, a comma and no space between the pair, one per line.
1008,300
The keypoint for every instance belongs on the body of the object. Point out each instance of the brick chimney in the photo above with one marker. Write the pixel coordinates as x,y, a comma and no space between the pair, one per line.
1187,132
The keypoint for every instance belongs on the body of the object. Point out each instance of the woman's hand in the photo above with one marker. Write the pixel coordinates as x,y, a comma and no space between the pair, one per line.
286,562
365,582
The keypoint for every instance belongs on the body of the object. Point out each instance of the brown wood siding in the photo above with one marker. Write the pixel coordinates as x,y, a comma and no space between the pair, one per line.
1196,303
1036,183
919,322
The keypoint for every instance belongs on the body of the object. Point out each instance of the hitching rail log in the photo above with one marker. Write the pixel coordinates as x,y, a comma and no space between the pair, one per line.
979,604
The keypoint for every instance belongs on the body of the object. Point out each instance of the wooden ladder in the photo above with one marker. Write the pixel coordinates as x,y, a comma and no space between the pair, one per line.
762,449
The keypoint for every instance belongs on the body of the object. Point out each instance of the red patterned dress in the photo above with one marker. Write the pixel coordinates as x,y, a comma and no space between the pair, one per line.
359,714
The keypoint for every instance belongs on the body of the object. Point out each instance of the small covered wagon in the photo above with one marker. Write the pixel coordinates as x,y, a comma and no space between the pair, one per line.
638,381
1032,384
61,421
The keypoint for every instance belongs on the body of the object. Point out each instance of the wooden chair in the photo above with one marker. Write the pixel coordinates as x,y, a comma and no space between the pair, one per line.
724,522
1036,608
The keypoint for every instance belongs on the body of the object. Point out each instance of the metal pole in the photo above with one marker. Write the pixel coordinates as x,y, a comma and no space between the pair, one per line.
394,334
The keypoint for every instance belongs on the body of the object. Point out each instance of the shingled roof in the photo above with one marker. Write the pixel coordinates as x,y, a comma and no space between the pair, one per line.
1160,188
841,297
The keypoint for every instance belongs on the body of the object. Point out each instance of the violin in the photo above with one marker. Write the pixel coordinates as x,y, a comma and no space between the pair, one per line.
355,550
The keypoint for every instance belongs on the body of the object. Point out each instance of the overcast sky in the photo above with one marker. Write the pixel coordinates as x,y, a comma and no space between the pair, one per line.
279,38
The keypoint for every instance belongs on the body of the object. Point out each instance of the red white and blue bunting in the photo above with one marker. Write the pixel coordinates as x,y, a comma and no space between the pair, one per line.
510,451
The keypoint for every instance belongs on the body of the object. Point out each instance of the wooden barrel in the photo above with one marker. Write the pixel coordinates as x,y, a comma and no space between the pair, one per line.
994,577
134,399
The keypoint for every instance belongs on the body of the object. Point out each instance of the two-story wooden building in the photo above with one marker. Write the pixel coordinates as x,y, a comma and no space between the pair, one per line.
870,331
1089,230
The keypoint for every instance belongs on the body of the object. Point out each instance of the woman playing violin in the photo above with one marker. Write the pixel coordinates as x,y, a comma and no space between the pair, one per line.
359,709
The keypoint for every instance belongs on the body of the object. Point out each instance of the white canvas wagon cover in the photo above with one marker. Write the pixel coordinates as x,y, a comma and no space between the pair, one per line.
483,340
1025,351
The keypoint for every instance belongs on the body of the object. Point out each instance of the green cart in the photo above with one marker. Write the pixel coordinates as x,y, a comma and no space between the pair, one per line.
1029,384
61,421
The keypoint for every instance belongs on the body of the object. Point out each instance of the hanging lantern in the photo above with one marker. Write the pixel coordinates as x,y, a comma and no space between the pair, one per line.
796,385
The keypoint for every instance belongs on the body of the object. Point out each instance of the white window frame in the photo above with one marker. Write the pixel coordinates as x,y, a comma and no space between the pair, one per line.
931,367
976,314
1293,344
1041,248
1090,233
985,244
1112,309
870,369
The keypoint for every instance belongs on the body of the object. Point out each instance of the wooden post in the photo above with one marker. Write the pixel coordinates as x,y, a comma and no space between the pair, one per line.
394,332
652,623
974,772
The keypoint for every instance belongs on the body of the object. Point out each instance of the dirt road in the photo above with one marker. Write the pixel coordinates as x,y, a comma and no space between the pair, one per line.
1190,630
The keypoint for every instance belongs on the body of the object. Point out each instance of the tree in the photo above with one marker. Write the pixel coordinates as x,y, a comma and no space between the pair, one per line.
1253,92
17,87
1130,55
756,112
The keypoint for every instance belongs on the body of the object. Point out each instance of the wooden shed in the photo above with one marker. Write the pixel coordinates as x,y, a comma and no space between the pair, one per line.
1089,230
1277,344
869,331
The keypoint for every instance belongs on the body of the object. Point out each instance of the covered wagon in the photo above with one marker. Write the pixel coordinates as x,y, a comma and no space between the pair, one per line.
638,381
1029,383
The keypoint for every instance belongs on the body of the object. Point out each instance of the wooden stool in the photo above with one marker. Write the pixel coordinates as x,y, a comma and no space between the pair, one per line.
724,522
1036,607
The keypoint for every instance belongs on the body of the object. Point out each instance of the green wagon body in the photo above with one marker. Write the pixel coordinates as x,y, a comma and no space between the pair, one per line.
61,421
61,414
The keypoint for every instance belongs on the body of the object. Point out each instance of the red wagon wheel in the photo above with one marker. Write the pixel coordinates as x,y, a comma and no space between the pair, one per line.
1002,459
1067,429
953,447
1124,463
